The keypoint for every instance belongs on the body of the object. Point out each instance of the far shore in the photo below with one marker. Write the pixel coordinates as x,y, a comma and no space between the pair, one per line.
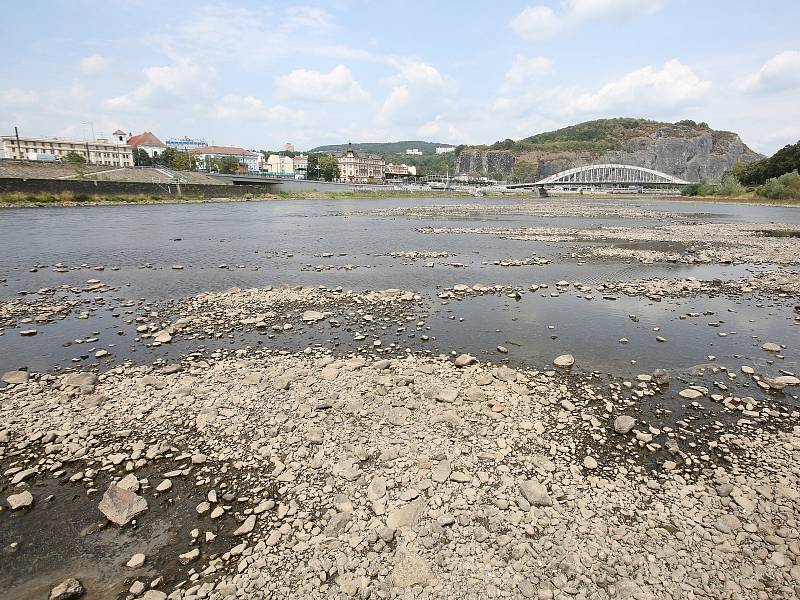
27,200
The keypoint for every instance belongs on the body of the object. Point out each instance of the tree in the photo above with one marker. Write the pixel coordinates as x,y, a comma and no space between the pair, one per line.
167,157
141,158
524,172
312,170
226,164
329,168
74,157
184,161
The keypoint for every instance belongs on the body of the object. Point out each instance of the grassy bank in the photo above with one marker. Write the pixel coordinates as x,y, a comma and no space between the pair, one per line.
24,199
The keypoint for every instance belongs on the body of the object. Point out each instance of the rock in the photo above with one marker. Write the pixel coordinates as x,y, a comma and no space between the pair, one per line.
623,424
690,394
80,380
376,489
246,527
68,589
164,486
448,395
406,515
464,360
771,347
502,350
441,472
136,561
21,500
535,493
154,595
661,376
15,377
410,569
564,361
130,482
312,316
162,337
589,462
121,506
189,556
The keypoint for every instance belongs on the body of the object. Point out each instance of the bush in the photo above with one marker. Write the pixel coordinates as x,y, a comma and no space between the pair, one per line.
787,186
730,187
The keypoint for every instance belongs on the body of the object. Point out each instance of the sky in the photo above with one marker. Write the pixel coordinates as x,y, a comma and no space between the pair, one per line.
260,74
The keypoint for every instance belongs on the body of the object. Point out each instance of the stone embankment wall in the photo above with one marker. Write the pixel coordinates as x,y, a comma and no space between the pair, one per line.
115,188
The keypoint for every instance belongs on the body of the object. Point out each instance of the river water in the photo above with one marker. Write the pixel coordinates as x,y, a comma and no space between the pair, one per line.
255,244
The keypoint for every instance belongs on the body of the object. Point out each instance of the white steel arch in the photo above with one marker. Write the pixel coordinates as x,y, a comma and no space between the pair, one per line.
610,173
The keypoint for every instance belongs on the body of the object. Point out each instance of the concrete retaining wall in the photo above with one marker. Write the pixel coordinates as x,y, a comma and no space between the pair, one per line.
115,188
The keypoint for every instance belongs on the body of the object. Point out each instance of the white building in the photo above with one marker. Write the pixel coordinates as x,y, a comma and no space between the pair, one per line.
207,154
301,166
112,152
416,151
185,144
359,167
400,171
148,142
445,149
277,164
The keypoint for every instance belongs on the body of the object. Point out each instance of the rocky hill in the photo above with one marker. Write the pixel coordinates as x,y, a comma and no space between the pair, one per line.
692,151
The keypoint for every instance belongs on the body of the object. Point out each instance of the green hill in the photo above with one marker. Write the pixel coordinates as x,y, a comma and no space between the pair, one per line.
385,147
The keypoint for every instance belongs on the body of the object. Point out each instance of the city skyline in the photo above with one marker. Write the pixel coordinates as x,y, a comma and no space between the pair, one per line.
261,75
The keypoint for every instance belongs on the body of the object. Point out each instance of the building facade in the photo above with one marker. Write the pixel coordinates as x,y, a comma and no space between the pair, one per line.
400,171
358,167
185,144
148,142
206,154
277,164
445,149
111,152
414,151
301,166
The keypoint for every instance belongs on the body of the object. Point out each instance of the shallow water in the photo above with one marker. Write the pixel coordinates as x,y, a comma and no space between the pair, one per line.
274,243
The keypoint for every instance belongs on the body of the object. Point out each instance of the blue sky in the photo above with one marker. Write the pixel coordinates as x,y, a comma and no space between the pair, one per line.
258,74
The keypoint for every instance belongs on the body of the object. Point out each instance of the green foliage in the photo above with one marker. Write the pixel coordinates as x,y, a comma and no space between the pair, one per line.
226,164
702,188
730,187
74,157
141,158
524,172
432,164
785,160
328,168
787,186
184,161
312,169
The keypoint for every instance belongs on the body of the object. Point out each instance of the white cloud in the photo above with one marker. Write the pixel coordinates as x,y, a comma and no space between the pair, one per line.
420,94
338,85
177,85
779,73
536,23
16,98
95,64
644,91
526,68
306,18
250,108
600,9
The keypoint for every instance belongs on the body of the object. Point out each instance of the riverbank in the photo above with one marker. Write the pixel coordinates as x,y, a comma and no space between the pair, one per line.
23,200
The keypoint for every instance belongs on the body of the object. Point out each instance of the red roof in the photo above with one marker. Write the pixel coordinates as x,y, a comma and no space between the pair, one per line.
232,150
146,139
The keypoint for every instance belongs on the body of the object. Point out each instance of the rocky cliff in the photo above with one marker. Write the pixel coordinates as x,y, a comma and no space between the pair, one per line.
686,149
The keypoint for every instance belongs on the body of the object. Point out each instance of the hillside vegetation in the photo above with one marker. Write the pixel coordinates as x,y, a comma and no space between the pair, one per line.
785,160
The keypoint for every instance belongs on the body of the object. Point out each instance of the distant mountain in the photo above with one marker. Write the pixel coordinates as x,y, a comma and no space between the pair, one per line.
385,147
686,149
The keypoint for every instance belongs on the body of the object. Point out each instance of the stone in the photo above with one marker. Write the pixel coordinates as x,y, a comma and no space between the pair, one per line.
15,377
246,527
121,506
376,489
589,462
410,569
136,561
130,482
623,424
21,500
154,595
441,472
771,347
312,316
67,589
564,361
406,515
535,493
464,360
690,394
164,486
661,376
448,395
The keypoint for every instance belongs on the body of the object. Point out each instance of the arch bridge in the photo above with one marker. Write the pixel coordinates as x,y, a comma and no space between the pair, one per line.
606,175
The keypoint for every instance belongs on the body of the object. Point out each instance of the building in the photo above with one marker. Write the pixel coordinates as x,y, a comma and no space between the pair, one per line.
445,149
278,164
301,166
359,167
148,142
113,152
400,171
206,154
288,147
415,151
185,144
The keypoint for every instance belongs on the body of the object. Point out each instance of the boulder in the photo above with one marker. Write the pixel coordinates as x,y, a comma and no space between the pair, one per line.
623,424
535,493
121,506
